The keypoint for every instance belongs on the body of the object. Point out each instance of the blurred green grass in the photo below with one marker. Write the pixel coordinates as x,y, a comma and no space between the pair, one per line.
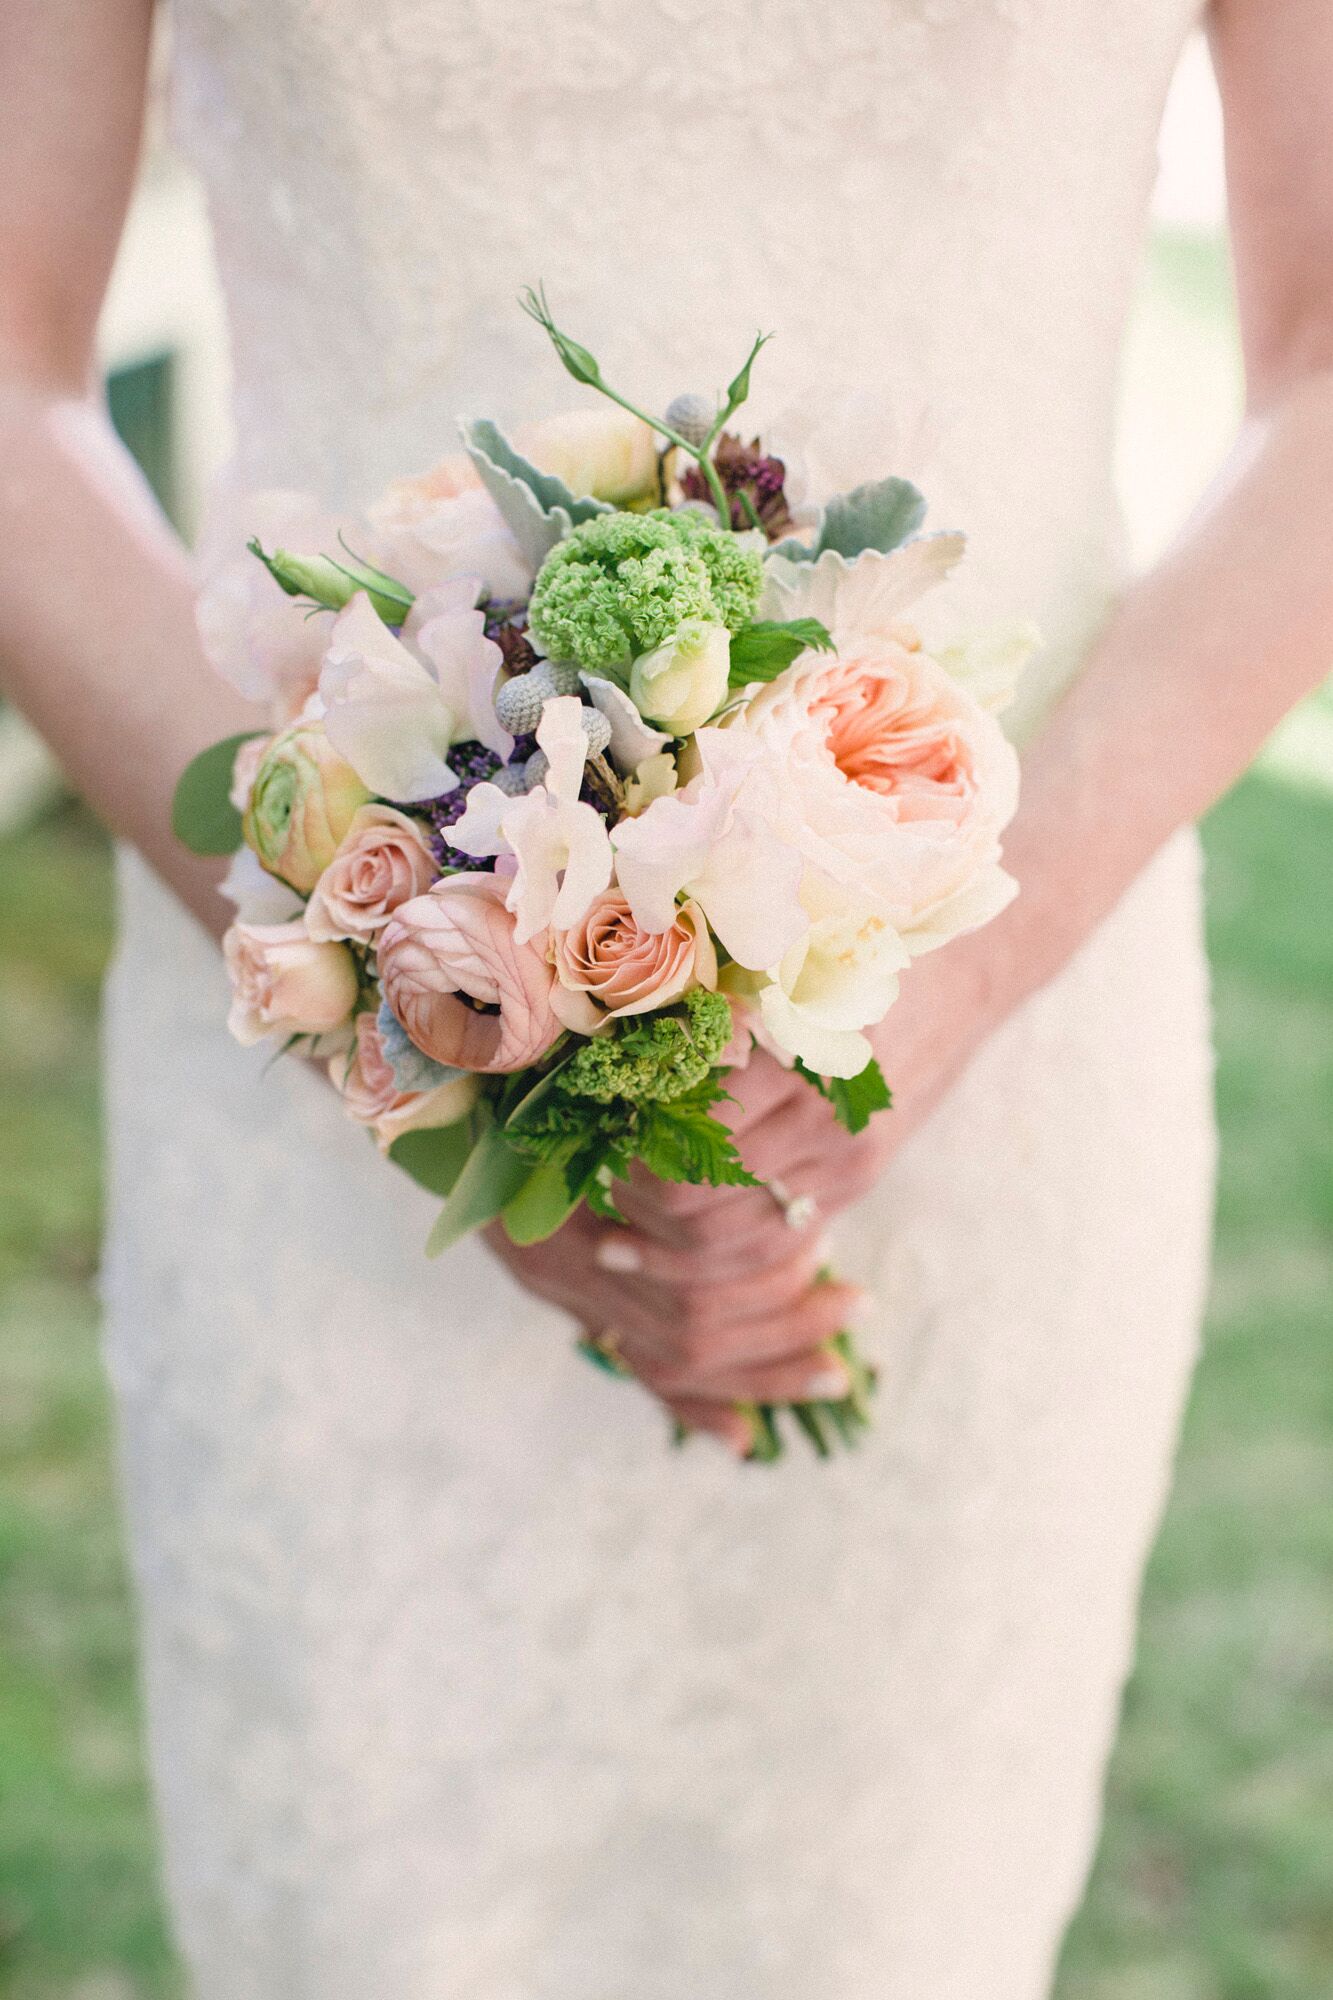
1215,1877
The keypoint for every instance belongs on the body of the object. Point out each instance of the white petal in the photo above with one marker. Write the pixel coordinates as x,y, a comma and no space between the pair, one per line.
827,1051
259,897
632,741
867,595
385,713
480,830
561,735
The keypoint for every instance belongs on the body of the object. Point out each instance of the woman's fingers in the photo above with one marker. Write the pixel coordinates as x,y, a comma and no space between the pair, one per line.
688,1350
731,1427
813,1377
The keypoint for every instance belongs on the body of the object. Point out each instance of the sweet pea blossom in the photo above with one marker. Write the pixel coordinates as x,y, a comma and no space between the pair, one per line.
559,843
719,839
245,620
392,709
424,540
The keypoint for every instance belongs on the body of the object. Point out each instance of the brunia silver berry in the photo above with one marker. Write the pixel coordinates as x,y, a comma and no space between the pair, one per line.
691,417
597,729
519,703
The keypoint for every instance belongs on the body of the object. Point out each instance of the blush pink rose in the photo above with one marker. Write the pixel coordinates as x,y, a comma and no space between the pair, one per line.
383,862
462,986
365,1082
283,982
628,970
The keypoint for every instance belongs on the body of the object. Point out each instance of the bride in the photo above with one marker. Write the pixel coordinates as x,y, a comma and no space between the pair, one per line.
460,1686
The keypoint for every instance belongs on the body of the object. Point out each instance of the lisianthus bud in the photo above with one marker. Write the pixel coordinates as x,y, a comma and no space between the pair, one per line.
302,803
681,683
334,584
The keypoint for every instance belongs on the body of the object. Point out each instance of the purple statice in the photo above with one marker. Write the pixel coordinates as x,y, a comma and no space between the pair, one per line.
473,763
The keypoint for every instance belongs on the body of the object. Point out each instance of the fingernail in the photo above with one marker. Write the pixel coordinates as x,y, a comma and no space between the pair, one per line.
617,1253
830,1385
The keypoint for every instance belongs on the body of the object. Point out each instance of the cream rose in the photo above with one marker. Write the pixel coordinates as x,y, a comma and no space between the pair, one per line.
384,860
365,1081
284,983
628,970
684,681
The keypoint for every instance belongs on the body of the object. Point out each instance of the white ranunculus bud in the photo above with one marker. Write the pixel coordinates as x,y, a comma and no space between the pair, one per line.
684,681
691,417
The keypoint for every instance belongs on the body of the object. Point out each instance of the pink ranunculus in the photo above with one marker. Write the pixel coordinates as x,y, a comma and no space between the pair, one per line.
370,1095
383,861
628,970
283,982
467,992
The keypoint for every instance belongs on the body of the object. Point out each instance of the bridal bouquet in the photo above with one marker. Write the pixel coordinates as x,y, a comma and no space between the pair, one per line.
593,764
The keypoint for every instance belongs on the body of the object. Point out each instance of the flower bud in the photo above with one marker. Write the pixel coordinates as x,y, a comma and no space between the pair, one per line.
684,681
302,803
333,584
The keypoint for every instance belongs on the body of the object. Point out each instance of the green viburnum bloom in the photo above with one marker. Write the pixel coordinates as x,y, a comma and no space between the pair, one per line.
622,584
653,1058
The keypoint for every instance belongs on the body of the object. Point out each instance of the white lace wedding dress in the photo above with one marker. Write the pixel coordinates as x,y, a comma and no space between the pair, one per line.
462,1686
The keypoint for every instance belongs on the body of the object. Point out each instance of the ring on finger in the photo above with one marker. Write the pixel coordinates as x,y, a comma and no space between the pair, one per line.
604,1351
798,1210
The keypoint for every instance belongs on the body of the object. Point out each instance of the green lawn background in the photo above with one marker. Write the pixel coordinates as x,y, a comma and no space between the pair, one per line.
1215,1878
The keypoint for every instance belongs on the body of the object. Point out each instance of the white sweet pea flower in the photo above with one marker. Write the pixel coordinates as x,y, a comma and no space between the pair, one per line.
560,845
394,715
632,741
718,840
447,629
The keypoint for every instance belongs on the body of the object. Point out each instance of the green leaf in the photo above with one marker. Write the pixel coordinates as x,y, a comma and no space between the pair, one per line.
435,1156
546,1200
855,1099
491,1175
682,1141
880,515
762,651
203,817
539,509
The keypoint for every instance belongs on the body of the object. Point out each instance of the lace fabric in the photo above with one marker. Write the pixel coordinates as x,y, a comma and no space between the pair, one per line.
461,1685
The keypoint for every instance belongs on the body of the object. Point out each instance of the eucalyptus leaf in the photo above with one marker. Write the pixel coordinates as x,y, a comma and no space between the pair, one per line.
880,515
539,510
203,817
412,1068
434,1157
491,1175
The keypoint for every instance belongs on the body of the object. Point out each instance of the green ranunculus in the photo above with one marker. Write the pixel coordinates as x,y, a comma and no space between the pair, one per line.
301,805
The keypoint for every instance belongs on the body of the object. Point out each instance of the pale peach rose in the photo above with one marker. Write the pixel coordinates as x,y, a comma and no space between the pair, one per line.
628,970
456,977
283,983
383,861
365,1082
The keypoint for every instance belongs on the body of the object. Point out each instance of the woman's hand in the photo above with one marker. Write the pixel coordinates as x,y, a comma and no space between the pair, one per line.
710,1295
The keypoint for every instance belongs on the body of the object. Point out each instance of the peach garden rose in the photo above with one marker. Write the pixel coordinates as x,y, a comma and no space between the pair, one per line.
628,970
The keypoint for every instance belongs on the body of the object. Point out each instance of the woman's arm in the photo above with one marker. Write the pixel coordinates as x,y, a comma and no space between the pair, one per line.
97,637
1207,654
